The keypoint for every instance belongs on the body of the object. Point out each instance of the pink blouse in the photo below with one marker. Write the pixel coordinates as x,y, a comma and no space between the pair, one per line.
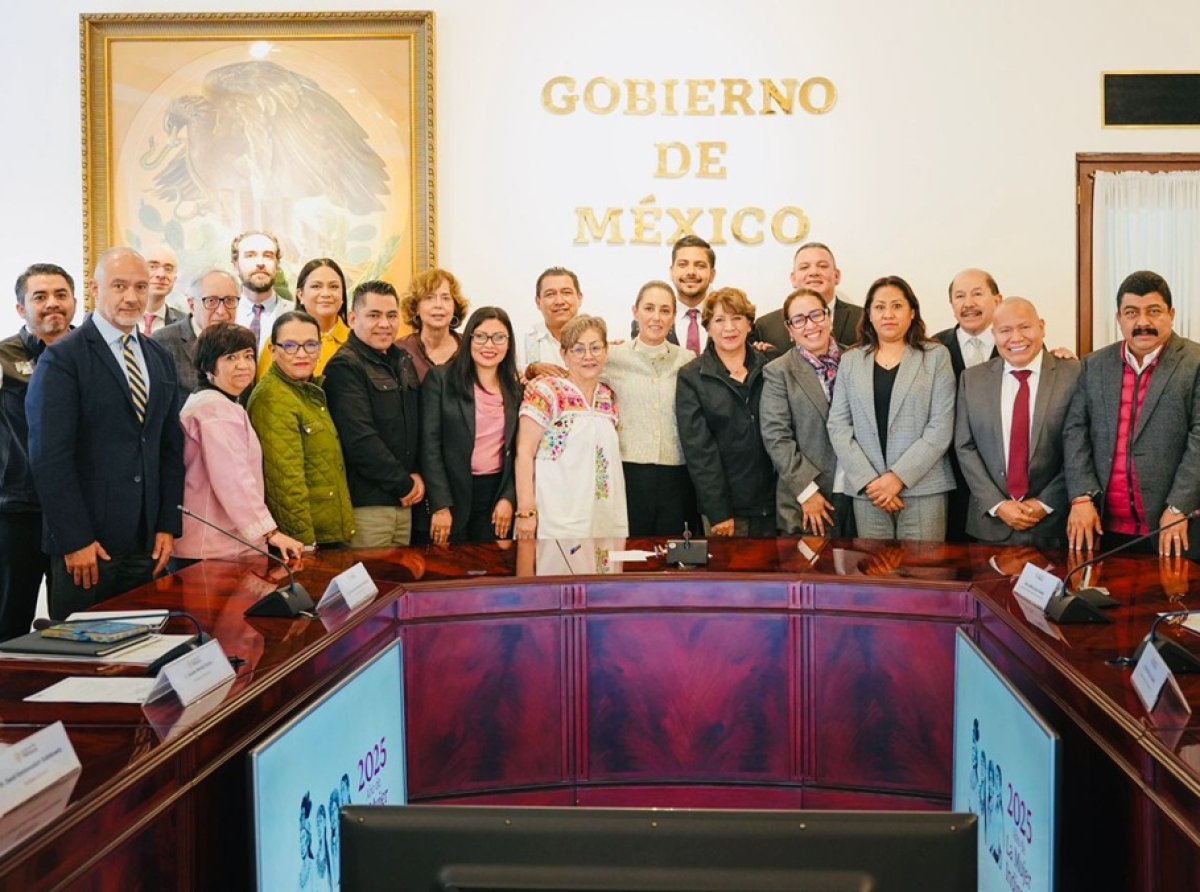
488,456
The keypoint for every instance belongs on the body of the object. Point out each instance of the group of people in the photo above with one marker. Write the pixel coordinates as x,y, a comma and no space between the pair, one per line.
145,438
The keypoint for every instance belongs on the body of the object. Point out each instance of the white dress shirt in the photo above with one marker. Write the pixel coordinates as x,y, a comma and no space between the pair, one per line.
987,343
112,336
1009,385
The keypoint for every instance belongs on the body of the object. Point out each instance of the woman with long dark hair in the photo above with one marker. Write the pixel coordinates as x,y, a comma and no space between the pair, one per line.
321,290
468,425
891,421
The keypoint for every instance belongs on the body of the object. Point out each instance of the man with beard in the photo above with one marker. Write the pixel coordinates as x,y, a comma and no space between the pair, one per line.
256,257
164,270
46,301
693,268
813,267
1132,435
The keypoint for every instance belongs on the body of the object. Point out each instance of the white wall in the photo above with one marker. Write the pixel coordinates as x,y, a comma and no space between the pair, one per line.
952,143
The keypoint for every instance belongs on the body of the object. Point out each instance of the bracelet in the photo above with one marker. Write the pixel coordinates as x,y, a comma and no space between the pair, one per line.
522,515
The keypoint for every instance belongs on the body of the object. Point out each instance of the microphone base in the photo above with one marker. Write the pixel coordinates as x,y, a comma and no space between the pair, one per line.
1177,657
687,552
1072,609
286,602
1097,597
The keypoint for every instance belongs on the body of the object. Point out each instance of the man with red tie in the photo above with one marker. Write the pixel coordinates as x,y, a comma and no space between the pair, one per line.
693,268
1008,433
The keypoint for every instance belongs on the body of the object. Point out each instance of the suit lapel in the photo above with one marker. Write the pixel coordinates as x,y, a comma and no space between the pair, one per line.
905,378
105,356
467,408
1045,399
990,440
807,382
1168,362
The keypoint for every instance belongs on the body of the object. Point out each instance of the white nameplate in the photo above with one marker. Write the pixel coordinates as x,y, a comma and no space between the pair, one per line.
1149,676
1037,586
194,674
33,764
354,587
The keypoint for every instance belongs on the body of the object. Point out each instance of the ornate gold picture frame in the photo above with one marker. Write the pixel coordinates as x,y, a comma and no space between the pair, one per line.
317,127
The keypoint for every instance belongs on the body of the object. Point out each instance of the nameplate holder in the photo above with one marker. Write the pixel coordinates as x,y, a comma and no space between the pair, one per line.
34,764
193,675
1037,586
353,587
1151,675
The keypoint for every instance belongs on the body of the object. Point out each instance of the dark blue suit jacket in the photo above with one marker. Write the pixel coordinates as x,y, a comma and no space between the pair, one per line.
101,475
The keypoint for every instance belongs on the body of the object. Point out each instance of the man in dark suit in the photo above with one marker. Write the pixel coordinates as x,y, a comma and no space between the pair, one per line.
1008,434
106,446
164,270
46,301
1132,437
813,267
693,268
212,297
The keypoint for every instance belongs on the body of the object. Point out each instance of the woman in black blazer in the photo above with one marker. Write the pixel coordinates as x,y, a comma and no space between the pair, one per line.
468,425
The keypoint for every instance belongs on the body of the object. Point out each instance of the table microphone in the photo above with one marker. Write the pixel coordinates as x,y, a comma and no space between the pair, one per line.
1085,605
290,600
201,637
1177,657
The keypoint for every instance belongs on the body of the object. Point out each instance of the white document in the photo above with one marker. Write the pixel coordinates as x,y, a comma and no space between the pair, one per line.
194,674
91,689
34,763
1037,586
1149,676
353,586
633,554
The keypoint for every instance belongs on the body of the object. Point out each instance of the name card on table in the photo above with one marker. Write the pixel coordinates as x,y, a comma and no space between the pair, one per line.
1037,586
352,587
1151,675
194,674
33,764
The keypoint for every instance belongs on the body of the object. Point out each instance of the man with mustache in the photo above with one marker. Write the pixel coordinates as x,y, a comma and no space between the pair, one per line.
256,257
813,267
1132,434
106,446
46,301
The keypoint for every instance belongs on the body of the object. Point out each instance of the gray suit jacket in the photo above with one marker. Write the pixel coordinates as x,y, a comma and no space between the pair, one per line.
180,341
792,415
1166,438
920,421
979,440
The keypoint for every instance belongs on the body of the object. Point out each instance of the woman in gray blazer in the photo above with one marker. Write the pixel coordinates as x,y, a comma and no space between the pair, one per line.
891,421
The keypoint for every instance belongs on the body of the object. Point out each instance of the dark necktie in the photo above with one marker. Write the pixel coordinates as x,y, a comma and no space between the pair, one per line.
137,384
1018,440
256,312
693,332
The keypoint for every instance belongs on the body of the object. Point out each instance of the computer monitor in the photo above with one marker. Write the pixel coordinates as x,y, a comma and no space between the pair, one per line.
428,847
346,747
1006,771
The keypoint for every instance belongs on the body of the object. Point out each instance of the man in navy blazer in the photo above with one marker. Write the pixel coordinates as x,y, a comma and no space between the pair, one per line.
108,466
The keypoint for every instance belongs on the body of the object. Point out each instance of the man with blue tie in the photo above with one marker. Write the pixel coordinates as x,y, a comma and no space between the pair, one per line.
106,446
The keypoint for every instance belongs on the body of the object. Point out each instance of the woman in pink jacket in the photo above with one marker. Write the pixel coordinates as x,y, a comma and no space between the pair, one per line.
222,455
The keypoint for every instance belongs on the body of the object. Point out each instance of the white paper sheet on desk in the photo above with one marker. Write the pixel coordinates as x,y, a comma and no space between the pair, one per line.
631,555
151,619
1191,623
89,689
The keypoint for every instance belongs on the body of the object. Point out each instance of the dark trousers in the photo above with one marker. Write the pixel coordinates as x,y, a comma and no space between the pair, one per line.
844,526
659,500
22,567
479,526
117,576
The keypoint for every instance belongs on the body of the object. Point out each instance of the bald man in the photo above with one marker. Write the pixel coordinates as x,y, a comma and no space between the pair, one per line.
1008,433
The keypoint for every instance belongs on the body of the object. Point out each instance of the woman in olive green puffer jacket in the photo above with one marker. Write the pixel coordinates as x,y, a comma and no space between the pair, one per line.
302,455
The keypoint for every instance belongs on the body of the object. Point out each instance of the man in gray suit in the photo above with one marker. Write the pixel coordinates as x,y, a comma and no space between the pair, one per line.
1132,436
212,297
1018,491
814,267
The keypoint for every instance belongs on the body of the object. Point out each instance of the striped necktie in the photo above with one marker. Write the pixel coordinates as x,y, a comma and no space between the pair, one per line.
137,383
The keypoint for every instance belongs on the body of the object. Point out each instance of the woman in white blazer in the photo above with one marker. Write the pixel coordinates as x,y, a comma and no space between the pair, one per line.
891,421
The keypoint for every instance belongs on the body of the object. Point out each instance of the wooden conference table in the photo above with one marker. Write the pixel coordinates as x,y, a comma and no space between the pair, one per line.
785,674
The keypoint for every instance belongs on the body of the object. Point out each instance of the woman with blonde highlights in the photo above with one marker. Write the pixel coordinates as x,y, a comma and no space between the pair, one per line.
434,308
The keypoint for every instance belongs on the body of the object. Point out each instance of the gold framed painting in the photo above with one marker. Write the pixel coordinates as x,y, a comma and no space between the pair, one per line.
316,127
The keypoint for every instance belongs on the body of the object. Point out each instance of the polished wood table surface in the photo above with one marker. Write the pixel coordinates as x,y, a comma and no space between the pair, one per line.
786,673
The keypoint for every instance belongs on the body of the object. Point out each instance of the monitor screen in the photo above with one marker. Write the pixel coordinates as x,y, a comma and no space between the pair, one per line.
345,748
1006,771
429,847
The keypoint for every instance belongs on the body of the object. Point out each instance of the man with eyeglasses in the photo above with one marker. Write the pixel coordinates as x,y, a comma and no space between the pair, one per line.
372,389
1132,435
212,297
164,270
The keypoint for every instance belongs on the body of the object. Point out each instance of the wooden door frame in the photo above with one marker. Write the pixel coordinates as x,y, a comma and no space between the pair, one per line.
1086,165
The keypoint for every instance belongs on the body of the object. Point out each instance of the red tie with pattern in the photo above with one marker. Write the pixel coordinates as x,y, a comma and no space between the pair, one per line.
149,330
1018,440
693,332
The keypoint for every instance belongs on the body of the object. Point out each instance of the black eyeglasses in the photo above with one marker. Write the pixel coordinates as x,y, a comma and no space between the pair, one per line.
481,338
210,303
291,347
800,320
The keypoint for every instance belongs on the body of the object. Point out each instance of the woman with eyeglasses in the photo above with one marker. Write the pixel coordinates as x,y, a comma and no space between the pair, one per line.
643,372
716,406
569,479
433,307
307,491
468,424
797,388
222,455
891,421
